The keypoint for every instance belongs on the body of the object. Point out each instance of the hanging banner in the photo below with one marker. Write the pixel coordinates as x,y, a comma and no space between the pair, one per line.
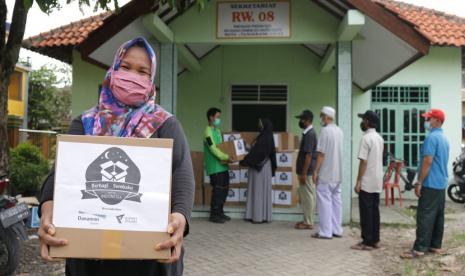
263,19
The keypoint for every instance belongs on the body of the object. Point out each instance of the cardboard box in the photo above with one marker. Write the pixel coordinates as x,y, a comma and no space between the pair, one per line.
249,137
235,149
112,197
233,195
282,197
207,194
231,136
284,178
285,141
244,176
197,165
234,176
285,159
243,195
198,196
206,178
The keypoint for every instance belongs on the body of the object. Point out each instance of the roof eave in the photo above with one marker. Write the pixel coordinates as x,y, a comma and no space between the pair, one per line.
394,24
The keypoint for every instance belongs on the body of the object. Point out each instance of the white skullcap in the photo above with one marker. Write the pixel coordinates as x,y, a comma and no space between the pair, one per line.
329,111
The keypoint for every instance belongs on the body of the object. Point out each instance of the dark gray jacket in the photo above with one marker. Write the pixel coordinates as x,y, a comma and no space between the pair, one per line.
182,199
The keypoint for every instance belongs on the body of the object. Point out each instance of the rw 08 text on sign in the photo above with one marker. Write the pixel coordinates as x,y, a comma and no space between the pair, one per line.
264,19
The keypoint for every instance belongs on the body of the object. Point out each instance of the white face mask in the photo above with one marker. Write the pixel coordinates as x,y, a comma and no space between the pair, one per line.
427,125
322,123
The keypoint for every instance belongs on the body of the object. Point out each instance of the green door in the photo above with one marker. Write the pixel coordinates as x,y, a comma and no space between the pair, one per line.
401,125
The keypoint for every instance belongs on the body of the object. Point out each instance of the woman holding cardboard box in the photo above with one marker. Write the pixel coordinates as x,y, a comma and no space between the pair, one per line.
127,108
261,161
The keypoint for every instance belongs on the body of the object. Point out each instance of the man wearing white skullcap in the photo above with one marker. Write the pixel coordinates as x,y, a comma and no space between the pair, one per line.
327,176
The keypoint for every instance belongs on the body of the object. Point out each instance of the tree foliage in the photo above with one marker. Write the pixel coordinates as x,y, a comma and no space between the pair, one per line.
48,104
28,169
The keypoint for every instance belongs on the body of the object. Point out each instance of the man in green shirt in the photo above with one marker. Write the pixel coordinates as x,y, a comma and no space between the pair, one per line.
216,166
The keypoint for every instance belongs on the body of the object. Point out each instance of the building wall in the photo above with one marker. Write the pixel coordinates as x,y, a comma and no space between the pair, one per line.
441,70
17,87
86,80
297,67
293,65
200,27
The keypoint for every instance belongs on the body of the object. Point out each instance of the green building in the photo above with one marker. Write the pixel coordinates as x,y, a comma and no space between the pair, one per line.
276,58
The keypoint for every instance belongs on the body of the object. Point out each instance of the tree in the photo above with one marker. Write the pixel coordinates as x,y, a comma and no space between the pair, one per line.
48,104
9,49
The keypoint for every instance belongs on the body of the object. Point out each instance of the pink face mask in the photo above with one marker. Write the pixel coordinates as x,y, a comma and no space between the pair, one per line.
130,88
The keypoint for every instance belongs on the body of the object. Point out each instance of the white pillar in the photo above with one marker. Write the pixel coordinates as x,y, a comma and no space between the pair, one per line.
344,119
168,76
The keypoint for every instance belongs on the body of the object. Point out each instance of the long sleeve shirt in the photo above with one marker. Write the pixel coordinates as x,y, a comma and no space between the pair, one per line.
213,156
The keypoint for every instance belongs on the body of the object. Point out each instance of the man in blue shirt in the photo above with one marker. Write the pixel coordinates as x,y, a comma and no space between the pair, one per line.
430,187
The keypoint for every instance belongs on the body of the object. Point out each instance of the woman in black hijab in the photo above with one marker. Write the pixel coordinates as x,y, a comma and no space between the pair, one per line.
261,161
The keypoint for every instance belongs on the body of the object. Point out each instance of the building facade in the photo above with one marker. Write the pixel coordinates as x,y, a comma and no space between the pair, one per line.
353,55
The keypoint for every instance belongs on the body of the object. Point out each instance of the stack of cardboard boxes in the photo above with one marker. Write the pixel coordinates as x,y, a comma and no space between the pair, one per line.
285,183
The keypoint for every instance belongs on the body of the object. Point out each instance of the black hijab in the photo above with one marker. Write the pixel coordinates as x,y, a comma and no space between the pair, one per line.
262,148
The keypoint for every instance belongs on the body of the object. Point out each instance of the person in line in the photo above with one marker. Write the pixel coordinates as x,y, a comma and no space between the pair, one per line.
327,176
430,187
127,108
306,161
261,161
216,166
369,183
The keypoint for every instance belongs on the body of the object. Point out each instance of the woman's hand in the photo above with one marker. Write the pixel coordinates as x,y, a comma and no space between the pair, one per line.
47,232
176,227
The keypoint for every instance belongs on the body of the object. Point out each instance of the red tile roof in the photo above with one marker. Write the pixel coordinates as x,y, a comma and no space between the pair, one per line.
438,27
69,35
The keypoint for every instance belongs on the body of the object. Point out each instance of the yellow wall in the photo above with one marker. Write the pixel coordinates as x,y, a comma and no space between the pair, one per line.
17,87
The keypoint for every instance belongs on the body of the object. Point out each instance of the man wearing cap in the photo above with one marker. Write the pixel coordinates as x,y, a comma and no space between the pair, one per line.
306,160
327,176
369,181
431,187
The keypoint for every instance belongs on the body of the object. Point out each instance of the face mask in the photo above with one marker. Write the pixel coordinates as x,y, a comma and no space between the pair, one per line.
217,122
130,88
322,123
363,127
427,125
302,125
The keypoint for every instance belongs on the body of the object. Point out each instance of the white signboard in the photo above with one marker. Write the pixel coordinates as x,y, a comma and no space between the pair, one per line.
116,187
254,19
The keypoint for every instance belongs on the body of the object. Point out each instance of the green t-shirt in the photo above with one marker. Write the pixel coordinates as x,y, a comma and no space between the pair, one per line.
212,154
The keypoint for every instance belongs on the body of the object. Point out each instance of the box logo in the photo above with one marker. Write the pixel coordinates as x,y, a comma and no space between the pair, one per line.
120,218
232,175
112,177
283,158
231,193
282,196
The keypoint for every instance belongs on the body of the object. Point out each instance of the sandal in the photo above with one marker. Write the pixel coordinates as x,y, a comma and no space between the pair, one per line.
317,236
412,254
361,246
303,226
436,251
337,236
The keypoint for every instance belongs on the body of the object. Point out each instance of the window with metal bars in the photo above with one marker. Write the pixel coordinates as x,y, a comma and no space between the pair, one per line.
401,126
251,102
259,93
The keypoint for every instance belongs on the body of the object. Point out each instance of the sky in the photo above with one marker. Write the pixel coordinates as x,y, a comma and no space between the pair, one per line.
40,22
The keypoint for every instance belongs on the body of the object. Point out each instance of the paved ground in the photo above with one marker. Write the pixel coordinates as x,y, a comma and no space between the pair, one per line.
242,248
